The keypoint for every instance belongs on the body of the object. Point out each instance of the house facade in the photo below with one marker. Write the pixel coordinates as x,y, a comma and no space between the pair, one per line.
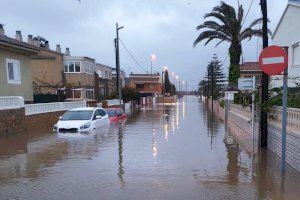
104,83
47,69
286,35
79,76
250,69
147,84
15,74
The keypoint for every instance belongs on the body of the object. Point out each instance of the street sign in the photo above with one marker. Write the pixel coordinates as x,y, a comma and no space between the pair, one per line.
245,83
273,60
229,95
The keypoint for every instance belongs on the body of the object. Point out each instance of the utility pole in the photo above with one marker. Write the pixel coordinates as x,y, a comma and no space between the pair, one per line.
264,81
118,82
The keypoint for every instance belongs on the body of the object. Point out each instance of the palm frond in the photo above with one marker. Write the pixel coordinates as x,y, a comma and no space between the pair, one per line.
210,35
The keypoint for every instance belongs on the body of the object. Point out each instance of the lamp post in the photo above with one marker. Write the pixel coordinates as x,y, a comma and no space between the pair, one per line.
152,58
177,78
163,83
118,63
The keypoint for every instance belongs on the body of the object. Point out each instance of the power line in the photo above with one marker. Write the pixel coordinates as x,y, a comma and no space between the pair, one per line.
247,12
224,60
130,54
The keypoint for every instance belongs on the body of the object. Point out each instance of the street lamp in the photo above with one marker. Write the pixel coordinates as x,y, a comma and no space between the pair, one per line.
118,63
152,58
177,78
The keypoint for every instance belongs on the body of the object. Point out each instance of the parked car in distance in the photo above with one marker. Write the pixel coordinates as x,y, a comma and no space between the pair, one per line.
82,120
116,114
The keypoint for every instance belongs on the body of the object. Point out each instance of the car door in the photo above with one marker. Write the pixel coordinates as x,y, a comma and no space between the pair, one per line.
96,122
104,119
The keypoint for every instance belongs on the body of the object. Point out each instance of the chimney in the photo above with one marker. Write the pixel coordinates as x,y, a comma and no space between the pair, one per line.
30,39
67,51
58,49
36,42
2,30
19,35
47,44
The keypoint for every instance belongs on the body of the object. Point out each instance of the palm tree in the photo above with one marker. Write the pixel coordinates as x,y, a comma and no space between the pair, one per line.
228,27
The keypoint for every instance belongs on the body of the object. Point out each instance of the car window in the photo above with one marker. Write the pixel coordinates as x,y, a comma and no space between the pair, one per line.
102,112
96,113
77,115
119,112
111,112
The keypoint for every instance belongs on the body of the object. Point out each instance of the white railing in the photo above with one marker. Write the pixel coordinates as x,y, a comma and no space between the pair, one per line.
293,117
8,102
31,109
275,115
113,102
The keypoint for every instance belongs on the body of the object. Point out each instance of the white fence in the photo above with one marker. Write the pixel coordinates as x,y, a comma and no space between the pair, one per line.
9,102
114,102
52,107
275,116
293,117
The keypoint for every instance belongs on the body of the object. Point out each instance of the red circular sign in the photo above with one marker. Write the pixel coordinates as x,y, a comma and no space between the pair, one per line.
273,60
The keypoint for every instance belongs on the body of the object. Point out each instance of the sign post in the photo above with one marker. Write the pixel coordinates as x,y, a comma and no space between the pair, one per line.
249,84
273,60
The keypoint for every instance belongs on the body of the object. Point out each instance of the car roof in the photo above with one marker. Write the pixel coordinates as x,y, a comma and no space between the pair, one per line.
85,109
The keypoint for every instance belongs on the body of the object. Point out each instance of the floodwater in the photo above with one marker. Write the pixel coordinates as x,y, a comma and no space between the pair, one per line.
171,152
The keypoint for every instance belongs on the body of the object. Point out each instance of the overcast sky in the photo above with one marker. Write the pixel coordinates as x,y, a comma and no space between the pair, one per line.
162,27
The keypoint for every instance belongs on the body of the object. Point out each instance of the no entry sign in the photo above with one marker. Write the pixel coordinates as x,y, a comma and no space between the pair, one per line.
273,60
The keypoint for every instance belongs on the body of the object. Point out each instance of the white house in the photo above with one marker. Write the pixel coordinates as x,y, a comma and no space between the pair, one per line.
287,34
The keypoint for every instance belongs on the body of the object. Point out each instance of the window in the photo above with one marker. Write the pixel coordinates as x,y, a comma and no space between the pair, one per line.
140,86
99,72
296,55
88,68
13,71
77,115
97,113
72,67
119,112
89,93
106,74
102,112
77,66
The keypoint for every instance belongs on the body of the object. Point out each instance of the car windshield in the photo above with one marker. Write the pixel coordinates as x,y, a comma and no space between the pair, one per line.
111,113
78,115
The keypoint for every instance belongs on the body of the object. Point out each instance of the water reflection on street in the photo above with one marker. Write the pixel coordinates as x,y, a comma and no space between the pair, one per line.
168,152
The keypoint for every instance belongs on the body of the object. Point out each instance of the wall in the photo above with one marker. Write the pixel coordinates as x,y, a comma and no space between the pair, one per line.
12,121
43,120
240,127
25,88
292,144
82,79
48,67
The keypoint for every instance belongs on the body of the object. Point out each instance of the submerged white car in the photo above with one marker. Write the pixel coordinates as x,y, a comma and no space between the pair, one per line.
82,120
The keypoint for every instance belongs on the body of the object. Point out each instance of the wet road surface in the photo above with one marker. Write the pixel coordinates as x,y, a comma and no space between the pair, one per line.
170,152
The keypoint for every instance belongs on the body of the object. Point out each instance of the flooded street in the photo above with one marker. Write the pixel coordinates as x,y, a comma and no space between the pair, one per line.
171,152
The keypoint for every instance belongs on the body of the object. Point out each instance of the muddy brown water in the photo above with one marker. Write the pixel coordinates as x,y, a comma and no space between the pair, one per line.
171,152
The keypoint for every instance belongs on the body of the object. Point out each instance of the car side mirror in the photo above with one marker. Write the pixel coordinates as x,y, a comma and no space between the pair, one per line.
98,117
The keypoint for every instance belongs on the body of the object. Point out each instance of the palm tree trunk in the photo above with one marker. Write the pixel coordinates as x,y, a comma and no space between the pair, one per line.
235,52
